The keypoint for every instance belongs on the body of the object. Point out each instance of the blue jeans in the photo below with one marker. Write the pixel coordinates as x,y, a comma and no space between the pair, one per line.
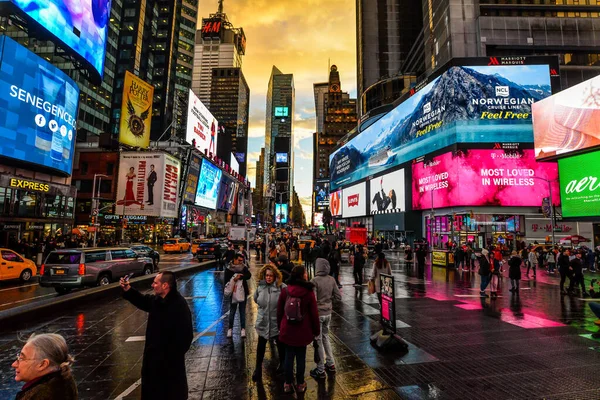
232,309
298,353
485,280
551,267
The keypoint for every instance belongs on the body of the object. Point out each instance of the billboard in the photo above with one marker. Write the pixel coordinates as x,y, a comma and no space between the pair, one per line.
281,157
234,164
465,104
191,183
354,201
148,184
208,185
211,27
281,213
136,111
79,25
335,203
227,192
38,109
567,121
580,185
387,193
281,112
318,219
482,178
202,127
321,194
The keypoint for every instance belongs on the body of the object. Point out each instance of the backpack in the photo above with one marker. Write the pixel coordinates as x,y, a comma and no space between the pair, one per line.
293,309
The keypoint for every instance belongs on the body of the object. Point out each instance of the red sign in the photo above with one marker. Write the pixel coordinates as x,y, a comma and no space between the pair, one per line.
211,27
353,200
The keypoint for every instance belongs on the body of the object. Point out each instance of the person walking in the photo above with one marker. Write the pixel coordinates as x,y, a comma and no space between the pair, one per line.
408,255
235,271
169,336
335,258
576,267
380,266
551,260
496,270
266,297
298,320
421,254
563,269
229,255
359,264
44,365
484,271
514,272
327,290
532,262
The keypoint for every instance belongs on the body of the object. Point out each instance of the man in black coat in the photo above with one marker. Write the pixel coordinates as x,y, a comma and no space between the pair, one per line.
421,256
151,181
576,267
169,335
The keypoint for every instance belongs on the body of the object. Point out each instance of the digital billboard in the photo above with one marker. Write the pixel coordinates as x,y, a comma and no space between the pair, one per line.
191,183
281,157
148,185
208,185
202,127
281,213
234,164
354,201
568,120
321,194
79,25
483,178
227,192
38,109
335,203
318,219
465,104
580,185
281,112
136,111
387,193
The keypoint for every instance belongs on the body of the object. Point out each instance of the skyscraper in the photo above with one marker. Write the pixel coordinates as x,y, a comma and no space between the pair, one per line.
319,90
279,137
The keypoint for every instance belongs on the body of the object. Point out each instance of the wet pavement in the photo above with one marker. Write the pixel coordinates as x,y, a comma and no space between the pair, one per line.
535,345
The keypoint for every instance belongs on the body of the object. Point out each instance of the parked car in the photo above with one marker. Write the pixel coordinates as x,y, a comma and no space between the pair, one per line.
176,245
147,251
206,250
195,244
13,266
76,268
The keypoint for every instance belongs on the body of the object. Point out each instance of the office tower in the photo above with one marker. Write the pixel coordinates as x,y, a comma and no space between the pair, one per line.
279,137
319,90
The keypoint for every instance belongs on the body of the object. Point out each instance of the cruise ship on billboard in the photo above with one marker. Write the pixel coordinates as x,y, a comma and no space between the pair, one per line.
382,157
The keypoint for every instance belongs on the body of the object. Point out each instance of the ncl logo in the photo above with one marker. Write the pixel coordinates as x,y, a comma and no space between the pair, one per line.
502,91
427,108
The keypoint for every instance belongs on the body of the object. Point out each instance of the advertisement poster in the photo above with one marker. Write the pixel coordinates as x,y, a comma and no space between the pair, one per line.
317,219
38,109
202,127
136,112
227,192
568,121
208,185
191,183
234,164
241,203
321,194
580,185
483,178
81,25
148,184
387,193
388,302
468,104
335,203
281,213
355,201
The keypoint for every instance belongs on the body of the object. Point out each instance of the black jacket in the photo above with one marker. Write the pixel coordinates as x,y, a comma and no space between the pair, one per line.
563,263
484,266
421,255
49,387
359,260
168,337
514,267
577,266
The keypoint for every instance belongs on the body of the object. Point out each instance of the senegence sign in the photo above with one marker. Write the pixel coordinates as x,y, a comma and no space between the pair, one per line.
580,185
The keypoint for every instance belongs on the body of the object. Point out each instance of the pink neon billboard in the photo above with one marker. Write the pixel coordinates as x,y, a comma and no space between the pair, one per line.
483,178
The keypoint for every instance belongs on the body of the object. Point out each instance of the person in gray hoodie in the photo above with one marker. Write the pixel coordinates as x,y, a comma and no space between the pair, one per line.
326,290
266,297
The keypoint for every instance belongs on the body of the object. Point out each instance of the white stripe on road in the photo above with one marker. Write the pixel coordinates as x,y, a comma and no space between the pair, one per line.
19,287
31,298
138,383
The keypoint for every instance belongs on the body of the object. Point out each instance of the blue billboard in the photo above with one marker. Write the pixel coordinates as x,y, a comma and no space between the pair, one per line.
80,25
227,193
38,109
465,104
208,185
281,213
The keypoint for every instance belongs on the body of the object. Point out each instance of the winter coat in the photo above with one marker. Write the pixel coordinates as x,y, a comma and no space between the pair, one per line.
266,297
577,266
514,267
246,275
550,258
484,266
376,272
302,333
334,261
49,387
169,336
326,287
563,263
359,260
532,258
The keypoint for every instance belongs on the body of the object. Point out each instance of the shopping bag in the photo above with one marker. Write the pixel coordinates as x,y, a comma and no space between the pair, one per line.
371,286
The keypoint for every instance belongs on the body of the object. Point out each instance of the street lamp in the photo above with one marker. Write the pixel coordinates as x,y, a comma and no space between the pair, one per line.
552,215
96,200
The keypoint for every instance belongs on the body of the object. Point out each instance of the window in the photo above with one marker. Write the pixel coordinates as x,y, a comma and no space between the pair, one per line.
131,254
5,194
10,256
63,258
118,254
95,256
26,203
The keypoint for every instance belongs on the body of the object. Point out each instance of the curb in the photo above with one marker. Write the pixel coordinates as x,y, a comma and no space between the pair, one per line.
22,315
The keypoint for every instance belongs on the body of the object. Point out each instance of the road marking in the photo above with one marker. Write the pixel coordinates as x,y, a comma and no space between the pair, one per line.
19,287
31,298
136,339
138,383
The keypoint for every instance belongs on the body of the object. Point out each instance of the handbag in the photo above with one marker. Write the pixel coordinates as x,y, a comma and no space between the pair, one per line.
229,288
371,286
238,295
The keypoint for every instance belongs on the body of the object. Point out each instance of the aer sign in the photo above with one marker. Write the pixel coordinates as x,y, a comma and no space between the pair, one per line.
580,185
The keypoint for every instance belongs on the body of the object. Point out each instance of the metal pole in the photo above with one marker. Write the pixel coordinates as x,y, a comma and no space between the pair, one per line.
551,211
94,205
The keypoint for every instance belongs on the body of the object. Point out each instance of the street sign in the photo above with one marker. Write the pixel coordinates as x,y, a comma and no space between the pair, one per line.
248,220
95,212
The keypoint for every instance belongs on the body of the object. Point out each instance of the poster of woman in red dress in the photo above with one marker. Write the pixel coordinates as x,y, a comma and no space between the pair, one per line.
129,195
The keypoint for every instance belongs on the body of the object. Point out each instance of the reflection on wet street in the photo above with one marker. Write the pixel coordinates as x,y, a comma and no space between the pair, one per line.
530,345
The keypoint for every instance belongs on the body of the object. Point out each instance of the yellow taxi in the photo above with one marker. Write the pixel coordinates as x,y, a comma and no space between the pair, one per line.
195,245
13,266
176,245
303,243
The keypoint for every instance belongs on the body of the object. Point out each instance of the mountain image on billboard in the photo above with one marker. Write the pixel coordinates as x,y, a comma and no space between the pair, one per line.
477,104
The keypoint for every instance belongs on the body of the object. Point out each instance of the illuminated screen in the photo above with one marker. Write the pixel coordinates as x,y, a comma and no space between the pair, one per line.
281,213
580,185
354,201
202,127
317,219
281,157
387,193
38,109
321,194
476,104
483,178
227,192
281,111
335,203
80,25
208,185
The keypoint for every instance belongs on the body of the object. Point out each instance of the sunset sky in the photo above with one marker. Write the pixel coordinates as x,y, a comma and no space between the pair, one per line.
300,37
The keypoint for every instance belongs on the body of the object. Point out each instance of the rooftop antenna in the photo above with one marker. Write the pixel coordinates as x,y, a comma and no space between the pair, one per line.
220,7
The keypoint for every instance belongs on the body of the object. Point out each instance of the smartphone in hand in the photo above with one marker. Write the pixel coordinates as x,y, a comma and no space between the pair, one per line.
126,277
